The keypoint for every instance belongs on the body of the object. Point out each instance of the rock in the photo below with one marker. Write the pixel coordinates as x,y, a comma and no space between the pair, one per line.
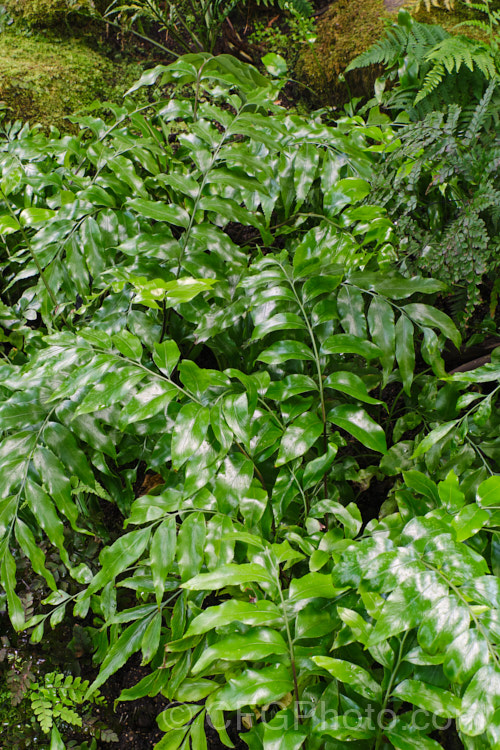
44,80
43,13
346,29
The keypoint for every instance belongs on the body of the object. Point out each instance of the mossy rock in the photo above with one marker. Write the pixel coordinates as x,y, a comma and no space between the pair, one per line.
44,13
449,19
346,29
45,81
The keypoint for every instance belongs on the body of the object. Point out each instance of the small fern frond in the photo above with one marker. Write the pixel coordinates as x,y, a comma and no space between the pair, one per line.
384,51
431,81
416,40
481,7
424,38
476,24
449,55
486,64
447,4
480,114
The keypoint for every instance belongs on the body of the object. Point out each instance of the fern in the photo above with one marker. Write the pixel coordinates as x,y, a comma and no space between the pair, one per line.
57,697
429,4
384,51
18,679
449,55
403,38
442,188
480,113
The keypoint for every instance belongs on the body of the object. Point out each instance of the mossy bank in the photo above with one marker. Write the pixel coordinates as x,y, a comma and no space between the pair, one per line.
347,28
351,26
45,80
44,13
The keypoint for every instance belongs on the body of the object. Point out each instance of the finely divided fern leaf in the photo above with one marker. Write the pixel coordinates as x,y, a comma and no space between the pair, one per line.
480,113
449,55
399,41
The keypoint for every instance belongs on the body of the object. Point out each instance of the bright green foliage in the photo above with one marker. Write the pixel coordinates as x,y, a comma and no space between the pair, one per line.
439,181
56,698
214,301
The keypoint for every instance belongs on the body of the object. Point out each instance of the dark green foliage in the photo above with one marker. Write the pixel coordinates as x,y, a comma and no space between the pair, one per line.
431,66
406,37
442,186
33,702
203,289
194,25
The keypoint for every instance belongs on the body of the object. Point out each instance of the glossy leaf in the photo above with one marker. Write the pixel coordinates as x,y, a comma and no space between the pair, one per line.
350,384
358,678
380,318
163,545
283,351
261,612
255,687
345,343
360,425
405,351
434,699
429,316
189,432
299,437
256,644
228,575
191,545
432,437
351,307
480,701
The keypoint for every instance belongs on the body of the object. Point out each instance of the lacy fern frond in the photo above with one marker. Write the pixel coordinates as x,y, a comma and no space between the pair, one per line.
429,4
480,113
57,697
449,55
417,40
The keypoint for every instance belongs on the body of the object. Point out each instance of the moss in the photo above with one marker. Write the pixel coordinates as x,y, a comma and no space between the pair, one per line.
346,29
449,19
43,12
44,81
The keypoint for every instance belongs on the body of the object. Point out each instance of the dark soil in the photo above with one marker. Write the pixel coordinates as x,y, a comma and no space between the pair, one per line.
135,722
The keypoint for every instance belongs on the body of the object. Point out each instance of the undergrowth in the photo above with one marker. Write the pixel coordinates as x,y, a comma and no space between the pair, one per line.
205,288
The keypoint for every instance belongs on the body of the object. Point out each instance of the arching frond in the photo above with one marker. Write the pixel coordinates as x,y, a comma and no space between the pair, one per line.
449,55
417,39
